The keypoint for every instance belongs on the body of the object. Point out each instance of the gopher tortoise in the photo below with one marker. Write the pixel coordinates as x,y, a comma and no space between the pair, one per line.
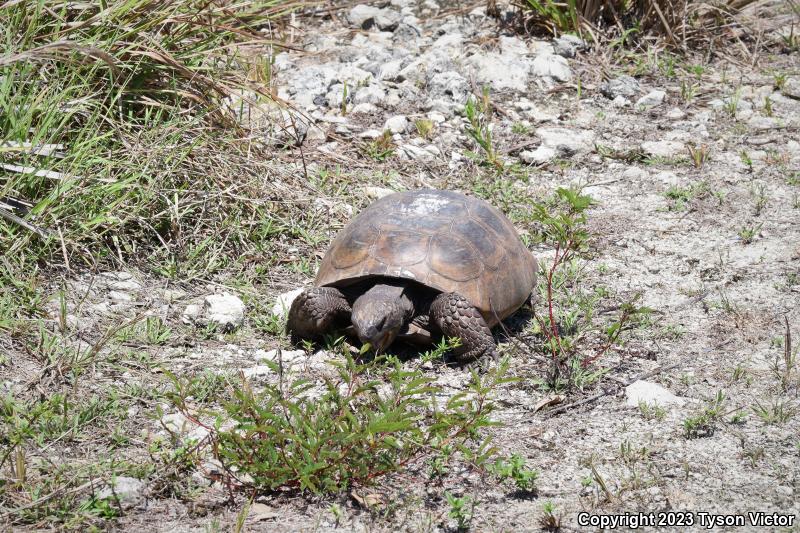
415,265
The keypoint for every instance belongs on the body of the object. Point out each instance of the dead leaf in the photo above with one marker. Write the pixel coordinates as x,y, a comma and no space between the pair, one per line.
369,501
546,402
260,512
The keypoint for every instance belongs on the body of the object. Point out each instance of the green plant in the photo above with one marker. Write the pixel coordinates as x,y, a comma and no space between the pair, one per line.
785,368
778,412
681,196
550,521
343,104
561,223
514,469
425,127
478,112
381,148
780,80
731,105
704,424
652,411
746,159
768,106
759,193
688,91
461,510
698,154
557,17
351,432
748,233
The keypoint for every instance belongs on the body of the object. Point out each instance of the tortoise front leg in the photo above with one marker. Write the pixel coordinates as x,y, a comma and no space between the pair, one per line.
456,317
315,310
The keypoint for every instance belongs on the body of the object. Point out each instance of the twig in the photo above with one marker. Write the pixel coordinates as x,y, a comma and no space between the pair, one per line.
611,390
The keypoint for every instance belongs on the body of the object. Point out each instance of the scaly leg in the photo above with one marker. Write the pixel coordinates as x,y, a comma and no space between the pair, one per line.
456,317
315,311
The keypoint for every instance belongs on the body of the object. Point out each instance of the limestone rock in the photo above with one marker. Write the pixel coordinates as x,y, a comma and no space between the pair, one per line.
650,393
620,86
651,99
553,66
224,310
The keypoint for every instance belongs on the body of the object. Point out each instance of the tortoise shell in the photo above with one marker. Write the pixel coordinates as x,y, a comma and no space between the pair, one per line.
442,239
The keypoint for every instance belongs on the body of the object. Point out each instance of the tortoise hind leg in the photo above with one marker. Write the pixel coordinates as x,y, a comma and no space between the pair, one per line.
315,311
456,317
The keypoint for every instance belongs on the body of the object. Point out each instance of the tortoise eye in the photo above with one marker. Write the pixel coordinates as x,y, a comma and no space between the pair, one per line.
379,325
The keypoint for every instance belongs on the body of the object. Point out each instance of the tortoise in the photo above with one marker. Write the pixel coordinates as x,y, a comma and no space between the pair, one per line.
418,264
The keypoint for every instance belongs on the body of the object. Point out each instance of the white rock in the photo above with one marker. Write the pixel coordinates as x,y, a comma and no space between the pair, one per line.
258,370
362,16
129,491
620,86
120,296
499,71
650,393
791,87
387,20
191,313
371,94
225,310
450,85
390,70
651,99
283,302
397,124
377,192
675,114
370,134
553,66
667,178
568,45
566,142
664,148
364,109
620,101
541,155
762,123
513,46
418,153
634,174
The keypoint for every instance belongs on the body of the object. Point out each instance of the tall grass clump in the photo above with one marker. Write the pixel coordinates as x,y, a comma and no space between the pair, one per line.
119,132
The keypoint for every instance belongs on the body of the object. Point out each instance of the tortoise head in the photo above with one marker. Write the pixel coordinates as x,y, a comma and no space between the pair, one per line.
379,314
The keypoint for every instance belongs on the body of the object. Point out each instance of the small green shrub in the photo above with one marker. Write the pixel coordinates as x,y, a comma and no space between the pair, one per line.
461,510
569,314
479,116
372,420
514,469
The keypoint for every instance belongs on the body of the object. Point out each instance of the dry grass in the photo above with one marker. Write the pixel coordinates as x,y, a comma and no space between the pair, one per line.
682,23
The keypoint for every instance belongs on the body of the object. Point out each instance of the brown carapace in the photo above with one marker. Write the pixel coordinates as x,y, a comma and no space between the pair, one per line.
419,264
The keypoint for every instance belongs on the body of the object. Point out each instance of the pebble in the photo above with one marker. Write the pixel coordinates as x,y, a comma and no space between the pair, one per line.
128,491
651,99
397,124
625,86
